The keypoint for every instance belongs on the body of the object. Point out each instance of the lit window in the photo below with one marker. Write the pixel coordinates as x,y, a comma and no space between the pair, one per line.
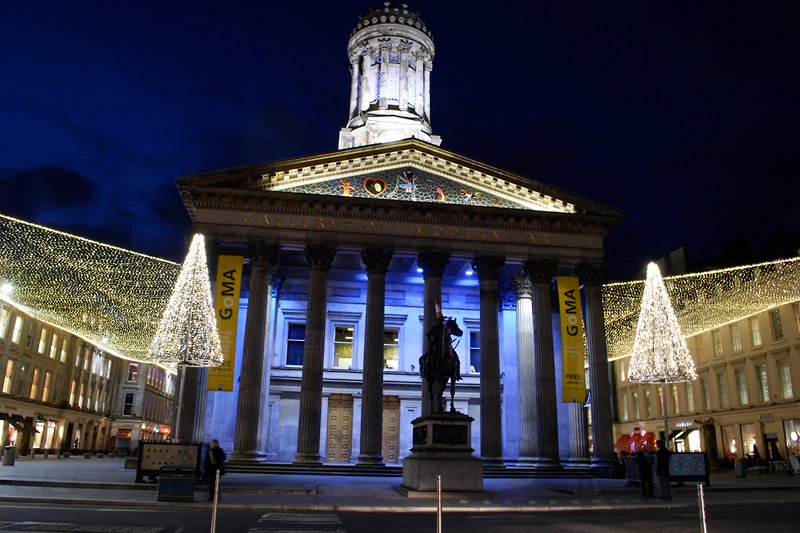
623,375
295,344
17,330
133,372
717,339
689,396
795,307
755,332
786,379
9,376
35,384
97,365
48,379
741,386
736,338
777,325
42,341
763,385
54,347
623,401
699,349
72,393
675,399
64,351
80,395
343,347
475,351
391,349
127,408
722,380
648,405
635,402
706,394
29,337
5,317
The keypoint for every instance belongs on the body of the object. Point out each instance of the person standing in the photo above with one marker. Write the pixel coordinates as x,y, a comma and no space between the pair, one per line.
662,468
215,462
643,466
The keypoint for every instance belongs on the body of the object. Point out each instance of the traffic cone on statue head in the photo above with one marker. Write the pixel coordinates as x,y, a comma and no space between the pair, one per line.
439,314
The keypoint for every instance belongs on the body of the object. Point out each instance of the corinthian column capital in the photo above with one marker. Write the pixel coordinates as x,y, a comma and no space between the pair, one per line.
541,270
591,274
488,267
376,259
432,263
320,256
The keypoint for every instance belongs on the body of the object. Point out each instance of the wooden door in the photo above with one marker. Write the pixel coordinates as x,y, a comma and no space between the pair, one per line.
340,428
391,430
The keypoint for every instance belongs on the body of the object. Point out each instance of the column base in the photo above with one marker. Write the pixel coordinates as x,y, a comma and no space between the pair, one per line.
307,459
545,463
248,456
577,462
370,460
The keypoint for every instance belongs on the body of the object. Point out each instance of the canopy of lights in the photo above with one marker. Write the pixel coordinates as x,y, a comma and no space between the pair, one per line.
111,297
702,301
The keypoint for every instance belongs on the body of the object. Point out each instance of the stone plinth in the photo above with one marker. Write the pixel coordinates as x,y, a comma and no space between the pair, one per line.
442,448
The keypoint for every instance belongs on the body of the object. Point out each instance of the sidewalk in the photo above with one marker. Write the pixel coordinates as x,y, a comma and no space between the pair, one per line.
105,482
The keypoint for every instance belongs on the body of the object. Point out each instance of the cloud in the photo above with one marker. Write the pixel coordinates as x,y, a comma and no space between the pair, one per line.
33,192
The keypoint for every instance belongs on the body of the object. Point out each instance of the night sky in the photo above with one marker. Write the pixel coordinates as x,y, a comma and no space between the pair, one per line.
683,115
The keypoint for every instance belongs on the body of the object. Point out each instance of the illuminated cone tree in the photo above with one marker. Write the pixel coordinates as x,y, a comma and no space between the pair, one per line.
659,354
187,335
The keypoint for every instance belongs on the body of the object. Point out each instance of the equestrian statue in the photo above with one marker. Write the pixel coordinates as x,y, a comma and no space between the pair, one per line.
440,362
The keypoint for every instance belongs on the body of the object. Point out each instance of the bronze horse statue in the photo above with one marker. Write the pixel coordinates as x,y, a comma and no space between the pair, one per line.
440,363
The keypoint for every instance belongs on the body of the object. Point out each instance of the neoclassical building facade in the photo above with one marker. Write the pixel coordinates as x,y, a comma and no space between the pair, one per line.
346,254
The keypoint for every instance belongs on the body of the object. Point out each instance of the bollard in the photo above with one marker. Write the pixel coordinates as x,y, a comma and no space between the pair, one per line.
439,504
702,505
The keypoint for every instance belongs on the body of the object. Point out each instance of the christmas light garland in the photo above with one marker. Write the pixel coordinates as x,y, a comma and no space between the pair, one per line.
109,296
702,301
187,333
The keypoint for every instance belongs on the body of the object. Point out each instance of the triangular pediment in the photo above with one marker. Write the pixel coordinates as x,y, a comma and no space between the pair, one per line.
408,170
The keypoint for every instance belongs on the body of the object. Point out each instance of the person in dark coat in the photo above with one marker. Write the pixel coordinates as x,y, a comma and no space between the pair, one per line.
215,462
662,468
643,465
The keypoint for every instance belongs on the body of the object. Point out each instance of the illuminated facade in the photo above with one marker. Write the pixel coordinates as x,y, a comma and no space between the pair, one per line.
346,253
60,392
746,394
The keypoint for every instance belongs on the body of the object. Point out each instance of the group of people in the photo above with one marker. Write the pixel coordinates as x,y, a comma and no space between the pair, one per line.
644,464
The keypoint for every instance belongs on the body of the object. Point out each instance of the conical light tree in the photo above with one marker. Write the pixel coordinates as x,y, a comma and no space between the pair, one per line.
187,334
659,354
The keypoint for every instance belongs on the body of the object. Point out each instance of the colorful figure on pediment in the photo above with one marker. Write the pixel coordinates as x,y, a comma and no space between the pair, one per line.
470,196
408,182
346,186
375,186
440,195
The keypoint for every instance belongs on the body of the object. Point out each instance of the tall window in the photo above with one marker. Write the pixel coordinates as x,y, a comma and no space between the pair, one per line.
675,399
42,341
717,338
736,338
785,375
48,378
777,325
795,308
9,376
35,384
689,396
391,349
133,372
635,402
29,337
699,348
343,347
54,347
704,389
623,402
97,365
475,351
127,408
648,405
741,386
763,385
5,317
722,380
755,332
80,395
64,349
295,344
17,330
623,374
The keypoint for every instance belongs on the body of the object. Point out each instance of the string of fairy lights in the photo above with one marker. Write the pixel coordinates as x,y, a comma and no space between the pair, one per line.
109,296
703,301
187,333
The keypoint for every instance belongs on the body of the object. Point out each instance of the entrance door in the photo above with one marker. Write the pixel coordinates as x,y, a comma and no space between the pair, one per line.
340,428
391,430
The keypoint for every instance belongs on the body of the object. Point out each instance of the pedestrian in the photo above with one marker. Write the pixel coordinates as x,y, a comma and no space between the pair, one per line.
662,468
215,462
643,466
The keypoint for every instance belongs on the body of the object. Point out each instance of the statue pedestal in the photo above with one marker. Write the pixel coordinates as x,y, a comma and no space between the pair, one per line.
441,447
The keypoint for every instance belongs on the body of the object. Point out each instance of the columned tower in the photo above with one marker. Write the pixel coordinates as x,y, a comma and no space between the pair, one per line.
391,56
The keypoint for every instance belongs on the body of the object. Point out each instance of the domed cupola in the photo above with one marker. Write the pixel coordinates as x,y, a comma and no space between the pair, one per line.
391,55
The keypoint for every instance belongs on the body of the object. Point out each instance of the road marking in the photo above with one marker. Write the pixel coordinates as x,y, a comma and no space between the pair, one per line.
298,523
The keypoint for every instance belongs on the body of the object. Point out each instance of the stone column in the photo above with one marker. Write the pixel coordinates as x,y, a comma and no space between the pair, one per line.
366,80
526,378
383,92
433,265
255,367
541,272
403,100
193,410
488,268
419,96
428,68
355,74
377,262
319,258
592,275
578,436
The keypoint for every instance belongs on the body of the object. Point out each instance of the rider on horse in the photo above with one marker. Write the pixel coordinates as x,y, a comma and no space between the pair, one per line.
440,363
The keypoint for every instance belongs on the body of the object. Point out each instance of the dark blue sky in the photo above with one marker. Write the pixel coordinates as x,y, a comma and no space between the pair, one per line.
684,115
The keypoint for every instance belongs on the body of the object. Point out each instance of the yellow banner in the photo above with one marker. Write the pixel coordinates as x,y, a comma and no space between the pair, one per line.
573,380
226,307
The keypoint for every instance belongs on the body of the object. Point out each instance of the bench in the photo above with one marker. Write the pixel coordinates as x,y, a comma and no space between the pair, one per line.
757,470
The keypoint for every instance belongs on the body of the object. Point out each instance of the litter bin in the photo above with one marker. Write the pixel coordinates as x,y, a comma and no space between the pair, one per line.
176,483
9,455
741,468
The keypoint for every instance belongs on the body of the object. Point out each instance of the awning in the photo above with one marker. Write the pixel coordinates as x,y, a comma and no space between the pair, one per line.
676,434
21,423
19,426
648,439
123,433
623,442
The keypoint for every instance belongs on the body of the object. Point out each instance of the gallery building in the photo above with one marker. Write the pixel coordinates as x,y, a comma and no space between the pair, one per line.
346,255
